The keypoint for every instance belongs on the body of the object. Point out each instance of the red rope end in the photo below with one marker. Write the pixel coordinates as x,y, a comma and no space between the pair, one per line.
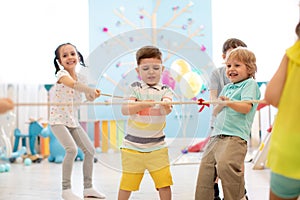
202,103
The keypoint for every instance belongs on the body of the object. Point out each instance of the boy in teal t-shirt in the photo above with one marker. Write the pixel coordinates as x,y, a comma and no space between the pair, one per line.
227,147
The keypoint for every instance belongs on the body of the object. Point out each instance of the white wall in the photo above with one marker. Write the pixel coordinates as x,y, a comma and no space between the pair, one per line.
30,32
266,26
32,29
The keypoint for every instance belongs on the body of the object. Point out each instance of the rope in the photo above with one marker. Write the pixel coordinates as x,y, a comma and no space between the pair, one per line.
199,102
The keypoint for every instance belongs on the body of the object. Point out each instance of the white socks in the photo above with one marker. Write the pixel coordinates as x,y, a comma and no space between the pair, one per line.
69,195
87,193
92,193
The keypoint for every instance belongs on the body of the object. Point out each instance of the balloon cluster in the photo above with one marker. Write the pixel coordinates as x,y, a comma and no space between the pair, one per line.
190,82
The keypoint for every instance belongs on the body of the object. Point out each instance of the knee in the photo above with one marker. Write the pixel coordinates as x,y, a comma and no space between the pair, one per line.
89,151
223,168
72,150
92,151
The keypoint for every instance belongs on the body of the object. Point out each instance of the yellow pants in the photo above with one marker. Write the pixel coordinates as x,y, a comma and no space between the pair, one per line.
134,164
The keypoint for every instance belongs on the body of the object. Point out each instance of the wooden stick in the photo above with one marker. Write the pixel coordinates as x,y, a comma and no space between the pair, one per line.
136,102
113,96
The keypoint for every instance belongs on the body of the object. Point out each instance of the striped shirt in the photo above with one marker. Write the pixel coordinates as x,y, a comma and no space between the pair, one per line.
145,129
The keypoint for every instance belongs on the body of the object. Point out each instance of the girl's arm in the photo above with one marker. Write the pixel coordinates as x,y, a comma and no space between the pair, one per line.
275,86
90,93
67,80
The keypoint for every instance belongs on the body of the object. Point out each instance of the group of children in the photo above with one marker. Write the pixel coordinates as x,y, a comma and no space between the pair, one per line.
144,146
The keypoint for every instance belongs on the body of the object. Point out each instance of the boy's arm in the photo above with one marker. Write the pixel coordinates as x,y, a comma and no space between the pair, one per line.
166,109
243,108
131,109
132,96
167,97
240,107
213,95
213,92
217,108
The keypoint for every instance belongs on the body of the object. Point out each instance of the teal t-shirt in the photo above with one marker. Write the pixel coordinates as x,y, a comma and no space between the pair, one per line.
230,122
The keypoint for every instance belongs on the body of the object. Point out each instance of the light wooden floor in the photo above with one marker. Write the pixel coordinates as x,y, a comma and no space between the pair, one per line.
42,181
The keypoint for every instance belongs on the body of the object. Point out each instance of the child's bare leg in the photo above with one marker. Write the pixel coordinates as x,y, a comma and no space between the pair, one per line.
124,195
217,180
165,193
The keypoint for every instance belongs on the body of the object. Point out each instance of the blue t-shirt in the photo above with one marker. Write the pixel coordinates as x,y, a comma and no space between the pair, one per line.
230,122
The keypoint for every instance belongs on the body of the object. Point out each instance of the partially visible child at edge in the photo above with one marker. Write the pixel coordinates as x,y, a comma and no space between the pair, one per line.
226,150
144,147
283,158
6,104
64,120
217,81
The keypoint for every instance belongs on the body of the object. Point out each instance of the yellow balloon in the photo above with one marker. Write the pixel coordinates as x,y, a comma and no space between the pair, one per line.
178,68
190,84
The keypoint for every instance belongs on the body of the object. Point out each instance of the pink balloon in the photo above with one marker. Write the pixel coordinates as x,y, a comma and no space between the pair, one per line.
168,80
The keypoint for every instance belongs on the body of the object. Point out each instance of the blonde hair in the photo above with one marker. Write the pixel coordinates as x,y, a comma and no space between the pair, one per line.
245,56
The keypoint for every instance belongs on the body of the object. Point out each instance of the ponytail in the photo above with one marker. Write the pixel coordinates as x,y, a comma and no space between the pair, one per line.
81,60
57,68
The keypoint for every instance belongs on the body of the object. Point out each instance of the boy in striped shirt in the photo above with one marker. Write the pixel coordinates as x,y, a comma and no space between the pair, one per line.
144,147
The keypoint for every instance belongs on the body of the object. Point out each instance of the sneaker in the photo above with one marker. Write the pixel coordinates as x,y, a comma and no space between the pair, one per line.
69,195
216,191
246,194
92,193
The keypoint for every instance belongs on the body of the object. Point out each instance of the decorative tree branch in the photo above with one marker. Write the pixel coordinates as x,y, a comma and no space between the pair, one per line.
127,21
183,10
